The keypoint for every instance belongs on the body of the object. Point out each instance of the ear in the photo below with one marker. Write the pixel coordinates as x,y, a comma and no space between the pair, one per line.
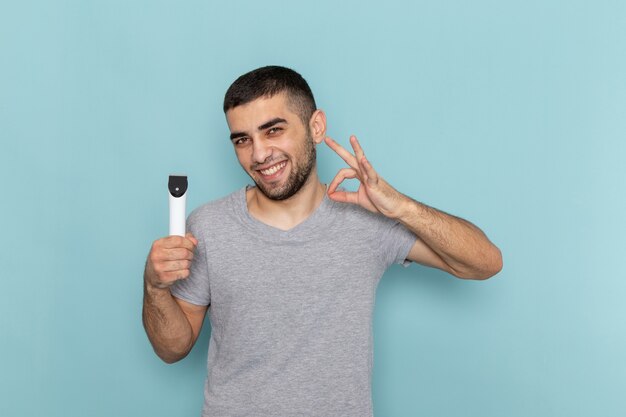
317,126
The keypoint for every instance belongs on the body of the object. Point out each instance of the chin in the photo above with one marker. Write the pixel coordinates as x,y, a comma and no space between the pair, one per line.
279,192
277,195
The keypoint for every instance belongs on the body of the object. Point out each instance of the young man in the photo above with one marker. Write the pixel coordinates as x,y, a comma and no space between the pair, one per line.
288,269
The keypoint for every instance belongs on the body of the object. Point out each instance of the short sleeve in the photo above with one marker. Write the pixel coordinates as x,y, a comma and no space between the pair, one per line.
395,242
195,289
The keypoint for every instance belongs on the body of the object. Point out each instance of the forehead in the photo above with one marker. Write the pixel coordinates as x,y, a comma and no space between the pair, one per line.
249,116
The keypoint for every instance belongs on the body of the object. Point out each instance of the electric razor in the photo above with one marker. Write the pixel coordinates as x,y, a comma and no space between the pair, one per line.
177,186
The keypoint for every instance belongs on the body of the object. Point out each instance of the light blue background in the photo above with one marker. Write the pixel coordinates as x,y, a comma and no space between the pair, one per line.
511,114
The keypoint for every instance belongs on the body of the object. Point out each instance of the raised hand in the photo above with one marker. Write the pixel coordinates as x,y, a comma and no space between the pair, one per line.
374,193
169,260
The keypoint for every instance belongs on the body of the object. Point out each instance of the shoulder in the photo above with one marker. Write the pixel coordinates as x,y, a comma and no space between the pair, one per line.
354,216
216,210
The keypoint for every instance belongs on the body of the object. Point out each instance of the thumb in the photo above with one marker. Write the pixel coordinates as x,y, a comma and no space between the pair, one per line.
192,238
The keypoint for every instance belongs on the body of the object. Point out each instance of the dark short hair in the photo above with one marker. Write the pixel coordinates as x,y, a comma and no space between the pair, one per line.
269,81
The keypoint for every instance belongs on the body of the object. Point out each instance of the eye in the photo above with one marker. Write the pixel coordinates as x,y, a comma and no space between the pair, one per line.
273,131
241,141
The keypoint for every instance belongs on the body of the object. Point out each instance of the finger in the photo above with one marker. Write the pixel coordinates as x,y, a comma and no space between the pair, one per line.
358,151
192,238
370,176
176,254
172,276
174,266
360,157
344,197
339,150
177,242
340,177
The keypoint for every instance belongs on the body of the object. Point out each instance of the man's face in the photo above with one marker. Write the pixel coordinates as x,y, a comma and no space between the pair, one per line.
273,145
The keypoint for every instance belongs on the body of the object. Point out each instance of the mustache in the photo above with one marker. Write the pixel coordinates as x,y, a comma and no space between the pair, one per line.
268,161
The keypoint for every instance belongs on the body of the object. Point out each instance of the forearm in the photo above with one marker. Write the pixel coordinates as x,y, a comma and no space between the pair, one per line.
166,325
461,245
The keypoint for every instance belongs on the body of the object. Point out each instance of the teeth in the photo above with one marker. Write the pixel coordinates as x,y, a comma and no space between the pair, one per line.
273,170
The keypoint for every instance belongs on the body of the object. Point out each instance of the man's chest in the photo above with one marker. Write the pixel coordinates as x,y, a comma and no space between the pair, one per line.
257,278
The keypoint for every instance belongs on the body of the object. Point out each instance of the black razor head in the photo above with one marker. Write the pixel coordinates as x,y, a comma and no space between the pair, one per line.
177,185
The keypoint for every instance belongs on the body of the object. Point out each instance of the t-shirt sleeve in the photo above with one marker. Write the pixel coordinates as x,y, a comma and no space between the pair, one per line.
395,241
195,289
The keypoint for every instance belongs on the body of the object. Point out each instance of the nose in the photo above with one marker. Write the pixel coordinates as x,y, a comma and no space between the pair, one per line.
260,151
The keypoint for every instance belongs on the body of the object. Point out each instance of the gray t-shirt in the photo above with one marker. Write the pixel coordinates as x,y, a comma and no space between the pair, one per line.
291,311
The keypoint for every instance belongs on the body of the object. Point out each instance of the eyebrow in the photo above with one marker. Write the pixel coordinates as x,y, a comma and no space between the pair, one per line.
271,123
264,126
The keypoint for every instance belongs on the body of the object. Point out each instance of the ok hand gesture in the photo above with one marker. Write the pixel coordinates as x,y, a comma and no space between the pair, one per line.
374,193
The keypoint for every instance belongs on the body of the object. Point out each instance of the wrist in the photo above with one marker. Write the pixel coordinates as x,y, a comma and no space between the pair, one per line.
405,209
155,291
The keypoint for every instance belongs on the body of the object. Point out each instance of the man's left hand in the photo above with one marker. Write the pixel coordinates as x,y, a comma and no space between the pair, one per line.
374,193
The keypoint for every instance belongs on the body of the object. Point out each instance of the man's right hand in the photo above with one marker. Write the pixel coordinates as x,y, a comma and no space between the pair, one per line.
169,260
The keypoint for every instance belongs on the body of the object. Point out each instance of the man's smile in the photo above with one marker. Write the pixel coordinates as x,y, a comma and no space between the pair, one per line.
273,171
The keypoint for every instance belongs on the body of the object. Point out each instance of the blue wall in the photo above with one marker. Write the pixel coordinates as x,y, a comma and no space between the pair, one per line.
510,114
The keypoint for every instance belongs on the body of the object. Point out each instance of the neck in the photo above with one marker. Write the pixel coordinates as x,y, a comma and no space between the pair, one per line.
286,214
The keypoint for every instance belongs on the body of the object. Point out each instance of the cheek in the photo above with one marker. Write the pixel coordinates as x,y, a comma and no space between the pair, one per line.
293,146
243,158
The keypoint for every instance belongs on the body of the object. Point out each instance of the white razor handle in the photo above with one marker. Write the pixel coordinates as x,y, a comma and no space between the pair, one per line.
177,187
